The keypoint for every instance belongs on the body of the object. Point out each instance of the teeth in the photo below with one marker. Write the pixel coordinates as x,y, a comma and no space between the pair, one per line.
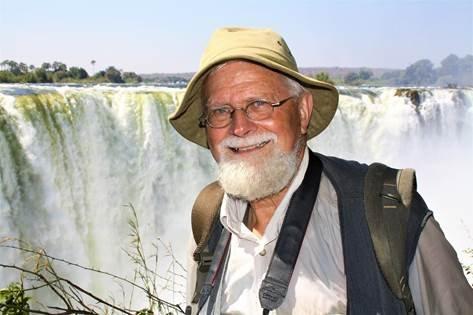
259,145
248,148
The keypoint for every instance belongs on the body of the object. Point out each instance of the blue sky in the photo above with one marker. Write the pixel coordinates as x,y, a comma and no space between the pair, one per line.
169,36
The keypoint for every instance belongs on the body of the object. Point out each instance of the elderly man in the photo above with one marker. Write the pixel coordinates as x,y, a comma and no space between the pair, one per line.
291,231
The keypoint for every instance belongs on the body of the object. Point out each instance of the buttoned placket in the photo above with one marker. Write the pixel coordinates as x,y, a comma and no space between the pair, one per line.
257,245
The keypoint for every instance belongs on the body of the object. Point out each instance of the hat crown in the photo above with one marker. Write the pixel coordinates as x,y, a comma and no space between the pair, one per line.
226,43
261,46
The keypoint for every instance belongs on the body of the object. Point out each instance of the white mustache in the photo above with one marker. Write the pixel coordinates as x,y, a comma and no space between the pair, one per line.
237,142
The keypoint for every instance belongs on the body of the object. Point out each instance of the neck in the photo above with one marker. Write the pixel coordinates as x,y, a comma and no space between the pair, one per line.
262,210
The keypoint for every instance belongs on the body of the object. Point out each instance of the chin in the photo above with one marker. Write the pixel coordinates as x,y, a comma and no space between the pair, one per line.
259,173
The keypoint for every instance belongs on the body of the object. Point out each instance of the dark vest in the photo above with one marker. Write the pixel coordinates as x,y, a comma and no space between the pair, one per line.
367,291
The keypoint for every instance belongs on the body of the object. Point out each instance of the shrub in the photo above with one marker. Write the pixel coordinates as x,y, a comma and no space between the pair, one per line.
13,300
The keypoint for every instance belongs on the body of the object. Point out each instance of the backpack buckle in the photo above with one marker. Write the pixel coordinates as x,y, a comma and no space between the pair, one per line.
203,259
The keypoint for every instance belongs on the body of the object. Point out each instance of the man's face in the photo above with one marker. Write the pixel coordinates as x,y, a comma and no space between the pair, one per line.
237,83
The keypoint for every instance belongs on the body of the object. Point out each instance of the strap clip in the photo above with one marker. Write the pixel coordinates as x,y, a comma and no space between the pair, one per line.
272,293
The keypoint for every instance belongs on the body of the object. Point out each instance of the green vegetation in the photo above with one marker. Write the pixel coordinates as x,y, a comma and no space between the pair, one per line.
453,72
13,300
357,78
40,278
324,77
58,72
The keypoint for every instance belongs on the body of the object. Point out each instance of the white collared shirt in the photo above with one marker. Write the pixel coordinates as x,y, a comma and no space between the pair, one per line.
318,277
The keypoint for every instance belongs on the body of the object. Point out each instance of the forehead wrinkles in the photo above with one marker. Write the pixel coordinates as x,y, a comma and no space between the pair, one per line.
277,82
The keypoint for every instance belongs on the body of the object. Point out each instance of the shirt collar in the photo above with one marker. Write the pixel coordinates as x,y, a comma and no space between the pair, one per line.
233,210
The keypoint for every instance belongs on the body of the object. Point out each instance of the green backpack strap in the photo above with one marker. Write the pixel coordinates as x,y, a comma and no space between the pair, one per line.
206,232
388,196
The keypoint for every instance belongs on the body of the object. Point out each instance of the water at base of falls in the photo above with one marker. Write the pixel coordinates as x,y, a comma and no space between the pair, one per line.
73,158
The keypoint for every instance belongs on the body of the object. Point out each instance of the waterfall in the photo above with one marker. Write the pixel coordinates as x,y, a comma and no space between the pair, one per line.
73,157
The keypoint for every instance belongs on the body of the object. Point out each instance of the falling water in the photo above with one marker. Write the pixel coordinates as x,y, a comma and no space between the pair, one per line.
71,157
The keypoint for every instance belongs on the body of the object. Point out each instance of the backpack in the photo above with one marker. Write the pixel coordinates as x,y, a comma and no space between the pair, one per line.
388,195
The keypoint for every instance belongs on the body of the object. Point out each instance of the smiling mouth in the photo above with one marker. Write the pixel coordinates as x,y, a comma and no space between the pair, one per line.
249,148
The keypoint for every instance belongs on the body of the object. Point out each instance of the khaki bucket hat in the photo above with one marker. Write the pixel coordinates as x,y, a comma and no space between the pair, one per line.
262,46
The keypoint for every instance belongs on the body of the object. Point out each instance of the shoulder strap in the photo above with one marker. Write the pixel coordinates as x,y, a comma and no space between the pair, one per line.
388,195
208,290
206,231
274,287
204,214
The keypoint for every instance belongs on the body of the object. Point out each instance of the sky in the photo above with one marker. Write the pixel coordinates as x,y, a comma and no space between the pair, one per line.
149,36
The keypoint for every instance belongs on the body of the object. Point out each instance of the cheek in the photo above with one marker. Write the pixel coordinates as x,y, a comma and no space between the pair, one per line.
285,133
215,153
289,126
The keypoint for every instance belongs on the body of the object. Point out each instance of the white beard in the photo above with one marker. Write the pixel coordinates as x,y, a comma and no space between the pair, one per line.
257,176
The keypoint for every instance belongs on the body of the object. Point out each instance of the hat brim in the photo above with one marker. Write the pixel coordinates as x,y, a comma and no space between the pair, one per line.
185,119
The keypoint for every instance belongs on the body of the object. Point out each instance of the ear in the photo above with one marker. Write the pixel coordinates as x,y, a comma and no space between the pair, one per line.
306,104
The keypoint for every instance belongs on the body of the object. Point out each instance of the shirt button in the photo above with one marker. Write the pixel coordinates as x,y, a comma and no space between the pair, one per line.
263,252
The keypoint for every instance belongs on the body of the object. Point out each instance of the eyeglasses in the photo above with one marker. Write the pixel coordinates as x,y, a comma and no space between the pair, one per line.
221,116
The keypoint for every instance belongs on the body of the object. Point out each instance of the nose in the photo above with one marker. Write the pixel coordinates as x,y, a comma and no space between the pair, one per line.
241,125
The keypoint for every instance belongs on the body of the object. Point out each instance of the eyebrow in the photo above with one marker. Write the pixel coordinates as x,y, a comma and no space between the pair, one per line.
208,103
